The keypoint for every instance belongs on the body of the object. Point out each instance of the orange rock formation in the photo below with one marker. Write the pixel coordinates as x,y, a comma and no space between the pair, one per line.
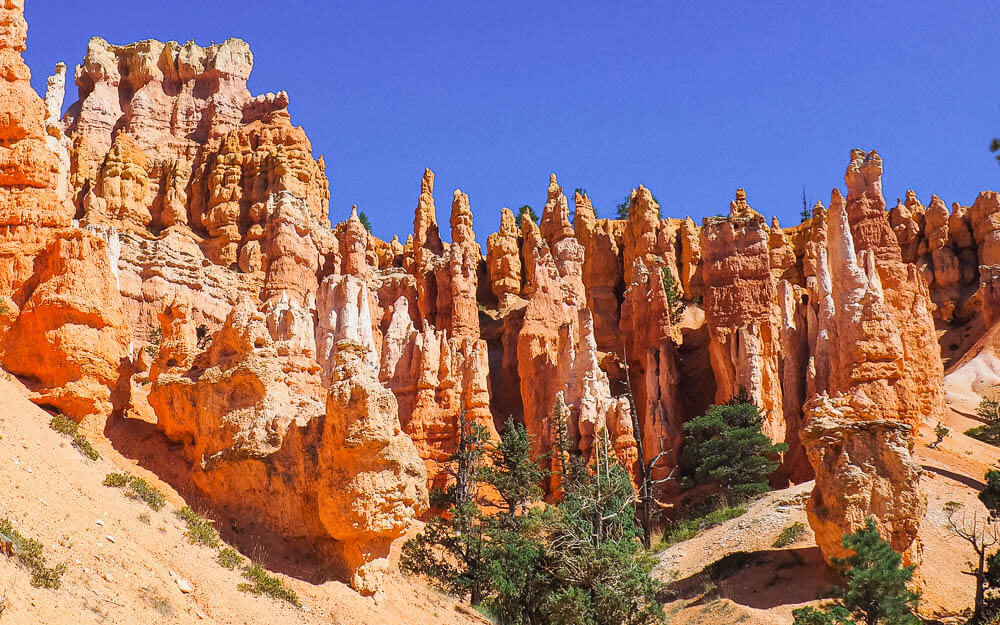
166,254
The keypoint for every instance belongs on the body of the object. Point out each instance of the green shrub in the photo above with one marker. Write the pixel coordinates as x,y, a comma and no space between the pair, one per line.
687,529
199,529
66,426
137,488
29,554
989,433
229,558
264,584
790,535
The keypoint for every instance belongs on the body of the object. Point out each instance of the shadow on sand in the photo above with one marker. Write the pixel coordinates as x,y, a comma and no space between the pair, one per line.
759,579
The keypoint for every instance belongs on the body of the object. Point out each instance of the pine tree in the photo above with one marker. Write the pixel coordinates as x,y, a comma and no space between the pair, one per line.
452,549
876,590
525,210
675,304
365,221
512,471
726,447
806,214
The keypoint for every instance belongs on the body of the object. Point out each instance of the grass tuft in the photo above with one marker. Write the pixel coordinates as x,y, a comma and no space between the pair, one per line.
790,535
199,529
264,584
687,529
29,554
230,558
137,488
66,426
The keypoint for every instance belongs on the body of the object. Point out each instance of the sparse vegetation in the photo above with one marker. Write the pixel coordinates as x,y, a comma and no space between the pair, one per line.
137,488
161,605
66,426
989,432
264,584
155,339
365,221
230,559
29,553
686,529
675,304
940,432
199,529
790,535
525,210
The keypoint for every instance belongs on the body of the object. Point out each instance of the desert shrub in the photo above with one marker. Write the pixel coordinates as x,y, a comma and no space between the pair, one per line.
263,584
29,553
229,558
137,488
68,427
686,529
199,529
790,535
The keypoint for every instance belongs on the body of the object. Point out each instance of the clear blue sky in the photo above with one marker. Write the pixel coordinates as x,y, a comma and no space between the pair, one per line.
690,99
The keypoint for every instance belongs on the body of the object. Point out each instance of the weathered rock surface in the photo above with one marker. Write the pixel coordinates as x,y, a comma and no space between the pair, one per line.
64,330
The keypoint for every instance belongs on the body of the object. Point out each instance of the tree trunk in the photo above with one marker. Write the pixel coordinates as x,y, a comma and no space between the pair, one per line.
977,615
645,496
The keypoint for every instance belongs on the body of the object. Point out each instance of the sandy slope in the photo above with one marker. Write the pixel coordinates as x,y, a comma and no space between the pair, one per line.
124,571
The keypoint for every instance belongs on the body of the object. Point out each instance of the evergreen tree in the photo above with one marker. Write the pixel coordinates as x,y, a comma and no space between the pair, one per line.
601,574
726,447
365,221
452,548
675,304
876,590
621,209
512,471
806,214
990,496
525,210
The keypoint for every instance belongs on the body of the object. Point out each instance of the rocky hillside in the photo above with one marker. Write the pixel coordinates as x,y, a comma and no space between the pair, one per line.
169,277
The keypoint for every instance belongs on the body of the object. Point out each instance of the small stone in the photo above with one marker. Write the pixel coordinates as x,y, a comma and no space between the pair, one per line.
183,585
110,538
108,577
100,522
200,614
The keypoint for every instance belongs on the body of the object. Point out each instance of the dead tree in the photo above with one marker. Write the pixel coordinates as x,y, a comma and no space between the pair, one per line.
647,484
983,534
